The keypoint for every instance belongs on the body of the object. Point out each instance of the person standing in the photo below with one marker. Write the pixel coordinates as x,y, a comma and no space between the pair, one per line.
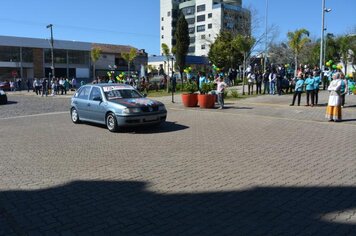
266,82
298,90
221,85
333,110
316,87
258,82
272,81
309,82
74,83
44,87
28,85
250,82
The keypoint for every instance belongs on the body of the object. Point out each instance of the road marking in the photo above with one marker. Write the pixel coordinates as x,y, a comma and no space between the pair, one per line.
34,115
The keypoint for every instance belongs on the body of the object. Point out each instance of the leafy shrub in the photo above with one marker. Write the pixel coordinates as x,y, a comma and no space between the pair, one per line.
234,94
190,87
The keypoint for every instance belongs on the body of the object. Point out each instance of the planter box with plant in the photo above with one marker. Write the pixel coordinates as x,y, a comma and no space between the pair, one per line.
189,97
206,99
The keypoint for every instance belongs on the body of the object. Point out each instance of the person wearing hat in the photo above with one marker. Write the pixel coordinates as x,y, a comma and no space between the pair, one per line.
333,110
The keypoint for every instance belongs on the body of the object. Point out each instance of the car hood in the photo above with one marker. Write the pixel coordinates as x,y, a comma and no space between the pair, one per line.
136,102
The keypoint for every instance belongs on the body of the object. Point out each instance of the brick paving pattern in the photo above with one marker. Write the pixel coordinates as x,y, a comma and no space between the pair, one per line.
258,167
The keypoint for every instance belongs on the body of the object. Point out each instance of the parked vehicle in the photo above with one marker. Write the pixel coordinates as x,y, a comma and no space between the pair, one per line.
115,105
3,97
5,86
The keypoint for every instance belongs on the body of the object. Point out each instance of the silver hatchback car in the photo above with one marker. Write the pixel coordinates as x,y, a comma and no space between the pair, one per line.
115,105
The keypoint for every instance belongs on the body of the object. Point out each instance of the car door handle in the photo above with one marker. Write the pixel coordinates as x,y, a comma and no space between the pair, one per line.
88,104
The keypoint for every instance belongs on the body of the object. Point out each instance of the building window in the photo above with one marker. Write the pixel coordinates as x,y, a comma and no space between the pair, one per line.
168,13
202,36
162,27
210,15
200,18
200,28
191,40
190,21
203,46
162,19
78,57
191,50
188,11
9,54
191,30
201,8
162,36
210,26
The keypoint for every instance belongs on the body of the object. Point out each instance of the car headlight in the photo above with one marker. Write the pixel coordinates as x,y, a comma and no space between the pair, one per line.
161,108
2,92
132,110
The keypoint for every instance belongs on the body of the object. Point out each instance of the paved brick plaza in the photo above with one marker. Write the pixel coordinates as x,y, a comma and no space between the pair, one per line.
258,167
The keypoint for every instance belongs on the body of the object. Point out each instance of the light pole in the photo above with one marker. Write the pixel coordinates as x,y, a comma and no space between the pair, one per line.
323,10
52,56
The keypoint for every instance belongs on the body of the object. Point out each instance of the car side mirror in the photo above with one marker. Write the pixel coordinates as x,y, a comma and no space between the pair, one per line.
99,99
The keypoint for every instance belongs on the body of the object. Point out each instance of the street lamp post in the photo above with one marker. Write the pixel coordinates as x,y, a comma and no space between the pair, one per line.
52,56
323,10
173,81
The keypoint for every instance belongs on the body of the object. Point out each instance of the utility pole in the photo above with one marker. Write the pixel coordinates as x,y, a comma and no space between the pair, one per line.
52,56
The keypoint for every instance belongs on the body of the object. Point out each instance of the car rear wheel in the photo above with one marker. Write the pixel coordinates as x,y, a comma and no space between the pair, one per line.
74,115
3,100
111,122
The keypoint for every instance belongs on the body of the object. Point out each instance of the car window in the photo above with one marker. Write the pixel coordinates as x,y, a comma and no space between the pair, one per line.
95,92
84,93
122,93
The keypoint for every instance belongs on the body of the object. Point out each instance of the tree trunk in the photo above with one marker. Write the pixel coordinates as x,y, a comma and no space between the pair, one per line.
243,75
93,71
295,66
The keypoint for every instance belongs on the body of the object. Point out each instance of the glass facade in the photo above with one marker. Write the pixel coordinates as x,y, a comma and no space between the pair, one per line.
10,54
78,57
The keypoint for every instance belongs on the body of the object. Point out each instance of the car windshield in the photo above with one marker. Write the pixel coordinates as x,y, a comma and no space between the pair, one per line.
122,93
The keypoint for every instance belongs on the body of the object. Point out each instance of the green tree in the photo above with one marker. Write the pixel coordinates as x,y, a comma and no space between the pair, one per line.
296,41
346,49
166,53
129,57
95,55
244,45
182,44
222,53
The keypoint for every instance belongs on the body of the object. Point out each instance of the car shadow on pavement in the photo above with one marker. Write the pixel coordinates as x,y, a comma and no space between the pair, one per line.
10,103
129,208
165,127
237,108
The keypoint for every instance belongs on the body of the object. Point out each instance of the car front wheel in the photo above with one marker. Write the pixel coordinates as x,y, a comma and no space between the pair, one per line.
74,115
111,122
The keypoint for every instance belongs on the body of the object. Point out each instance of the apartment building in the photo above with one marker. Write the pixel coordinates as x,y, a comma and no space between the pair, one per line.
206,18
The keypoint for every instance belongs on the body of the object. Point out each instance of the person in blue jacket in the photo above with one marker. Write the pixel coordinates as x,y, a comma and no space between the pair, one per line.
298,88
309,82
316,87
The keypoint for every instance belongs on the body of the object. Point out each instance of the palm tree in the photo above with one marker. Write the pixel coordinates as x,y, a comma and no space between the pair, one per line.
129,57
166,53
297,40
95,55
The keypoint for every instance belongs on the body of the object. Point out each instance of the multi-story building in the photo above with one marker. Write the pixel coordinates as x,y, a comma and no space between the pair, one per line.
31,57
206,18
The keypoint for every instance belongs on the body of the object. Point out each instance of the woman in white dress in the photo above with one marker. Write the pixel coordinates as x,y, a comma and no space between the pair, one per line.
333,110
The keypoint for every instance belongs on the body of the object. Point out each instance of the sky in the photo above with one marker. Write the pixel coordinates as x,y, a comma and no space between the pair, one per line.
136,22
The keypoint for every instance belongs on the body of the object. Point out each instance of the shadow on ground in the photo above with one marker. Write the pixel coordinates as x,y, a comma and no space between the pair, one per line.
10,103
128,208
165,127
